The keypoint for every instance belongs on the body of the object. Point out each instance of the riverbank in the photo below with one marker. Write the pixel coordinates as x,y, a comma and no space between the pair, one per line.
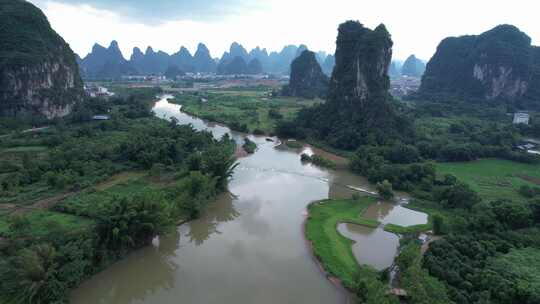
329,247
334,251
85,194
243,111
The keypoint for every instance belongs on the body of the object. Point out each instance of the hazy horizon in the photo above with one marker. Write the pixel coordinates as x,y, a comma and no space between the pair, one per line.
417,27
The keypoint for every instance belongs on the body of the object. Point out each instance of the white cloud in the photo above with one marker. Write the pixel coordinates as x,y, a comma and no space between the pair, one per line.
417,26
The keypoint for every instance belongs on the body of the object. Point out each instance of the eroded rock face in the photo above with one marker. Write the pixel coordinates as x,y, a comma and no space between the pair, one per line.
358,109
307,78
499,65
38,70
362,60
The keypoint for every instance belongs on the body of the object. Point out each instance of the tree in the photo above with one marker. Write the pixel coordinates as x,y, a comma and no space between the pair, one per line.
194,192
438,224
459,195
132,222
385,190
32,276
528,191
274,114
219,162
512,214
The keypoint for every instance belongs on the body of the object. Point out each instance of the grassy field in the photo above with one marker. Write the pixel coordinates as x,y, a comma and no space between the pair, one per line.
397,229
494,178
333,249
86,202
235,108
73,212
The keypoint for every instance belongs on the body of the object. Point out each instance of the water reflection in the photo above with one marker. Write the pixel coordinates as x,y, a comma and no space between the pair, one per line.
222,210
374,247
377,247
145,272
247,247
389,213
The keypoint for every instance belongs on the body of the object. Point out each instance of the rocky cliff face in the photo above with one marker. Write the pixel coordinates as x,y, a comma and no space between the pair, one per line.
360,76
358,109
498,66
38,70
307,78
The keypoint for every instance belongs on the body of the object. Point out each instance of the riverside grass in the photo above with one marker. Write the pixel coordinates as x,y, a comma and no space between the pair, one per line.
329,246
333,249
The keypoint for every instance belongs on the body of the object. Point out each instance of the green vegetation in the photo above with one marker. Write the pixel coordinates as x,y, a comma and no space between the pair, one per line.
421,287
384,189
329,246
293,144
83,194
494,178
249,146
318,160
241,110
407,230
369,288
521,265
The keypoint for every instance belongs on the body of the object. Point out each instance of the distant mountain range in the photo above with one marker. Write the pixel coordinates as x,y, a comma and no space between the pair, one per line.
412,67
109,62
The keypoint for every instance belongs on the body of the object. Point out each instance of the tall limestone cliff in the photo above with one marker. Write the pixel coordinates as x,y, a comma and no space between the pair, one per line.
360,81
38,70
307,78
358,109
498,66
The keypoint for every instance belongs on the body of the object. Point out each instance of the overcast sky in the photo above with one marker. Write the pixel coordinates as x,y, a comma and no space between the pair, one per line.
417,26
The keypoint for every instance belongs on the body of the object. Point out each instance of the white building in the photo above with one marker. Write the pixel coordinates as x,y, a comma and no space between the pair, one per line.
521,118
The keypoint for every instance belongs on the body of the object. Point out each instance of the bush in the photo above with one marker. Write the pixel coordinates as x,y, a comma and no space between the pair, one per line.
528,191
385,190
438,224
249,146
459,195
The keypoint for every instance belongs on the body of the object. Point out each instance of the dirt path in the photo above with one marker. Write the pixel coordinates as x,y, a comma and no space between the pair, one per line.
425,246
531,179
50,202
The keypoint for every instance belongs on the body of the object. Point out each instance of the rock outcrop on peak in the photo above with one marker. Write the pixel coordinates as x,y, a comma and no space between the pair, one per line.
358,109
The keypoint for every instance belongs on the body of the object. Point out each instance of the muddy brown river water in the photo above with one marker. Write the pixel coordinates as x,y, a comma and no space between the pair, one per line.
249,246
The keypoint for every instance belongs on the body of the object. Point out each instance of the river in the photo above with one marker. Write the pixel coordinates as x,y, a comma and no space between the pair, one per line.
248,247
